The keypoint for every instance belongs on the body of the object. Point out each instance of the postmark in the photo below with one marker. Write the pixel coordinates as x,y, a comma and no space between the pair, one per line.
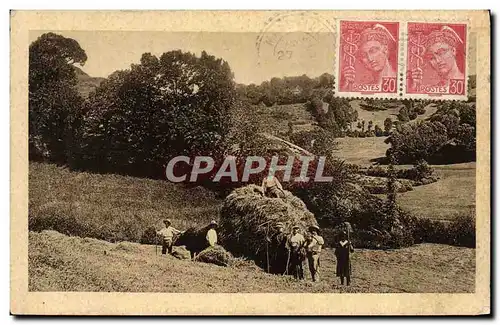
295,38
368,59
436,60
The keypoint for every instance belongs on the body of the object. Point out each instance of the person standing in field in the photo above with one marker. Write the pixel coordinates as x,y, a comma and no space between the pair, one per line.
343,251
313,248
296,247
212,234
167,234
272,187
278,245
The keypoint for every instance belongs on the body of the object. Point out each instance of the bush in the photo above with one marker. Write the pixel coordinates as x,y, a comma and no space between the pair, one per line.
421,173
422,170
318,141
149,236
462,231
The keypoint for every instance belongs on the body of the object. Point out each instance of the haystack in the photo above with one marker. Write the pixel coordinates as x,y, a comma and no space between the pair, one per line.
215,255
248,224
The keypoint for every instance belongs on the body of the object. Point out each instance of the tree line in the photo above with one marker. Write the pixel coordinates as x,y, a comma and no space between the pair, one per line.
135,120
448,136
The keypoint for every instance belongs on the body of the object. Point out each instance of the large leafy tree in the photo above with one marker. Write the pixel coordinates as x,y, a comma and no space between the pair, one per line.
339,116
416,141
177,104
54,103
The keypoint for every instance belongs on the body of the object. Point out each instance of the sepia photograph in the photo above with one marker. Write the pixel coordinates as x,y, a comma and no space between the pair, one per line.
313,153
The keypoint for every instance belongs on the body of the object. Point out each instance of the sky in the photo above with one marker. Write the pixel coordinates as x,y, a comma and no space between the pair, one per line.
279,54
276,55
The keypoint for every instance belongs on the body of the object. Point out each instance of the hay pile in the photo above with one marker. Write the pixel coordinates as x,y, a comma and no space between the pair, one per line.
215,255
181,253
248,223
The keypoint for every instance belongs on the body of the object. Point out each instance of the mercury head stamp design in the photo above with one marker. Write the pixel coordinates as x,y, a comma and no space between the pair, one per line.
368,58
436,60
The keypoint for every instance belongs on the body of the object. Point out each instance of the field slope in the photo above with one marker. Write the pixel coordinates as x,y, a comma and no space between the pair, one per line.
61,263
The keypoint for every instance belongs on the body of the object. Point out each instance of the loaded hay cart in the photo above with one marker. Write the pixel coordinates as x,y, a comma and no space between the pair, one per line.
248,222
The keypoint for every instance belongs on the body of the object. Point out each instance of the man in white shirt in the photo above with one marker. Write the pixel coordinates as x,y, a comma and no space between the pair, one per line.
314,246
212,234
167,234
296,245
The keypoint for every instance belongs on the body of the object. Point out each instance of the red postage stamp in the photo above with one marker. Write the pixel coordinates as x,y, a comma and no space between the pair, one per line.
436,60
367,60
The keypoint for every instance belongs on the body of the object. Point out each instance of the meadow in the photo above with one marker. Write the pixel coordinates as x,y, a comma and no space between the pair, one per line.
453,194
112,207
61,263
105,213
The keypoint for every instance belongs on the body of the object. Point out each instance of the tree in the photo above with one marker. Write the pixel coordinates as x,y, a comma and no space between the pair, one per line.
326,80
339,116
403,115
177,104
451,122
387,125
466,137
315,107
416,141
391,203
254,94
54,103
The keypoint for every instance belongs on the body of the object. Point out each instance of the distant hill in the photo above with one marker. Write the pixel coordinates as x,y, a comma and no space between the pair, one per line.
86,83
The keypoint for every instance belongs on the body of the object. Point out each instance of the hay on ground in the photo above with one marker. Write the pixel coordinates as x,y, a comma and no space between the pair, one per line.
181,253
248,224
215,255
127,247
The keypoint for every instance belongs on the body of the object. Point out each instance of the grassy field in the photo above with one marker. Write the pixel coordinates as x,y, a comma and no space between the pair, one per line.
360,151
454,193
112,205
61,263
378,117
275,119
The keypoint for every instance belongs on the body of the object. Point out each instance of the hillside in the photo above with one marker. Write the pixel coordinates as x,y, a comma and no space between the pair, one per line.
112,207
60,263
86,83
275,119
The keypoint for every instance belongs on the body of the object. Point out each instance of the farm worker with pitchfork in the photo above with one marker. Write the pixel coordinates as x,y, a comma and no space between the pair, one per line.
167,234
296,246
314,246
212,234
